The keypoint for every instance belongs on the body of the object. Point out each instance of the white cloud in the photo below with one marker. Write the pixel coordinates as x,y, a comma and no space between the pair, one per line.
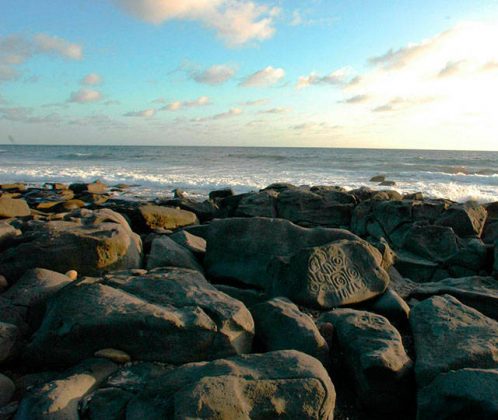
278,110
356,99
256,102
83,96
266,77
337,77
16,50
235,21
146,113
177,105
233,112
214,75
58,46
91,79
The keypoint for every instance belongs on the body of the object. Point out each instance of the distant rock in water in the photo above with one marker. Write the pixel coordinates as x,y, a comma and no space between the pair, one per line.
378,178
387,183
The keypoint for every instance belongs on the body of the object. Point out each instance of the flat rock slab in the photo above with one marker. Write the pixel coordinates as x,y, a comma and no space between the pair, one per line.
449,335
469,394
374,355
242,248
339,273
280,325
90,245
480,293
161,217
281,384
169,315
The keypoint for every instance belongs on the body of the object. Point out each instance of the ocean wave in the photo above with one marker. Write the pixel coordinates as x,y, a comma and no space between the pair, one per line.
85,156
263,156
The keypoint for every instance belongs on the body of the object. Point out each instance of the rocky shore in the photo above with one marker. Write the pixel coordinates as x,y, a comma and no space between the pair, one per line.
290,302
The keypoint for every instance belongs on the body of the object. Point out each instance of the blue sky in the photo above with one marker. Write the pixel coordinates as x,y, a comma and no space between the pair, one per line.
404,74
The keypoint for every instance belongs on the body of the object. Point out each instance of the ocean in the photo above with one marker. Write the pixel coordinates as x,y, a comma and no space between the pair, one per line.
155,171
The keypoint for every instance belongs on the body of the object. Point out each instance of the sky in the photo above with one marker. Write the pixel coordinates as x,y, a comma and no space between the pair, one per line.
310,73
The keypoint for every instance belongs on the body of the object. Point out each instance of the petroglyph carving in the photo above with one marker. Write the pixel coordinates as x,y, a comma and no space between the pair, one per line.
331,271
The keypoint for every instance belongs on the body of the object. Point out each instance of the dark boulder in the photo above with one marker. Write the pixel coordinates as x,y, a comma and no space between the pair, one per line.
280,325
449,335
436,243
258,386
338,273
466,219
374,355
242,248
165,252
170,315
469,394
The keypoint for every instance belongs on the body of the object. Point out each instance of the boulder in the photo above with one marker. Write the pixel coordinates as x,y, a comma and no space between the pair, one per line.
170,315
194,244
436,243
7,389
242,248
280,325
7,235
12,207
387,183
469,394
392,214
9,337
480,293
373,353
260,204
204,210
59,399
95,187
308,209
285,384
63,245
159,217
105,404
339,273
18,186
390,305
466,219
165,252
35,287
378,178
415,268
472,255
223,193
449,335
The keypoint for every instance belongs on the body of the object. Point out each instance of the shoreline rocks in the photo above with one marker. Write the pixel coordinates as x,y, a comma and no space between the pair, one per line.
209,310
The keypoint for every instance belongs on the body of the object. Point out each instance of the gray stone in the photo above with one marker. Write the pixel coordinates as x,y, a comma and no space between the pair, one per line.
449,335
66,245
469,394
285,384
59,399
12,207
154,217
436,243
390,305
392,214
7,389
415,268
35,287
223,193
339,273
261,204
194,244
96,187
280,325
170,315
480,293
308,209
165,252
373,353
242,248
466,219
378,178
9,336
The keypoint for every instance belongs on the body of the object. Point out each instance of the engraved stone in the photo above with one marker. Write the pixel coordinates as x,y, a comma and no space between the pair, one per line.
339,273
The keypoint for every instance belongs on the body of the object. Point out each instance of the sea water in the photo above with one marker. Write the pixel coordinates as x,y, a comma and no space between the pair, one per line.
155,171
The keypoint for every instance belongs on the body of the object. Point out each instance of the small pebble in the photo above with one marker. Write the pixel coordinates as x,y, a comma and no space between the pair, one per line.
72,274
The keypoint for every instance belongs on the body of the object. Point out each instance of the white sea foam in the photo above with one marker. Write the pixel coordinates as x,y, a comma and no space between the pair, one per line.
199,170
